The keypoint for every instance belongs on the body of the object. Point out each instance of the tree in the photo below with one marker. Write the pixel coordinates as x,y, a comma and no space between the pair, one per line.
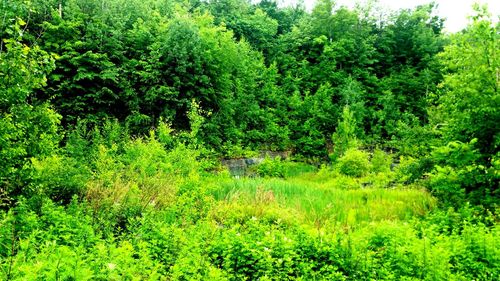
27,129
469,103
344,137
468,113
407,44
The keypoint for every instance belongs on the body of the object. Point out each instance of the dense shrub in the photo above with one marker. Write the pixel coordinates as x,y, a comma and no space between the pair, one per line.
460,173
354,163
192,238
60,177
271,168
410,170
380,161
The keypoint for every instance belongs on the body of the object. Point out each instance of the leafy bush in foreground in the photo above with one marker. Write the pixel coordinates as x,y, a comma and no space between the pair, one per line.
66,243
354,163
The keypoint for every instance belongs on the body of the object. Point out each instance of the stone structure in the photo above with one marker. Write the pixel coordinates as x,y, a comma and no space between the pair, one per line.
240,167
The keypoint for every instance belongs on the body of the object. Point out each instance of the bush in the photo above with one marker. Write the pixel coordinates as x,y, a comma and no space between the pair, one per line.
354,163
59,177
411,169
271,168
381,161
461,173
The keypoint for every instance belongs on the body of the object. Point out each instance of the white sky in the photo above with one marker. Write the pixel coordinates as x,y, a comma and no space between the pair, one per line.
455,11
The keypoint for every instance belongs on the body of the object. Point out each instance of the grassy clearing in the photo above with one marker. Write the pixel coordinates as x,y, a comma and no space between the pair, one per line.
320,203
158,216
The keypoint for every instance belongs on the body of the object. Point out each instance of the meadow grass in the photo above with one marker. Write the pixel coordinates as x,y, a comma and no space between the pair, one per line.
319,202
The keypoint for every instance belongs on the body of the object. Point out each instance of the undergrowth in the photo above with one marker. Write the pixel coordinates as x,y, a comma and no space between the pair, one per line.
147,209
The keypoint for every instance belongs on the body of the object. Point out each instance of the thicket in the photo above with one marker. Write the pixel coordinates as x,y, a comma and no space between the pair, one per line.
114,115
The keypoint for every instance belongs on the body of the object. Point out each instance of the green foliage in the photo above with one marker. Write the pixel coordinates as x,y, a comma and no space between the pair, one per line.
354,163
344,137
27,129
254,249
149,213
271,168
150,93
411,139
467,113
467,102
143,176
317,201
410,170
258,82
381,162
59,177
278,168
458,175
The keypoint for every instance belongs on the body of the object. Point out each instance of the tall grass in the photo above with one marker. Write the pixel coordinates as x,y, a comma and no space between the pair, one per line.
319,204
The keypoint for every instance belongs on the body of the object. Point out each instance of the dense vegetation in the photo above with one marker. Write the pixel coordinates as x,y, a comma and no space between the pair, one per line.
114,115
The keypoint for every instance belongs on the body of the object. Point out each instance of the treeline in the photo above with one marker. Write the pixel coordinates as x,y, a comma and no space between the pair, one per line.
240,76
264,76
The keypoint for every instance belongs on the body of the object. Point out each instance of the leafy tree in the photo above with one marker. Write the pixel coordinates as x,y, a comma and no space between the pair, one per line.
406,48
344,137
468,106
27,129
468,114
286,17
